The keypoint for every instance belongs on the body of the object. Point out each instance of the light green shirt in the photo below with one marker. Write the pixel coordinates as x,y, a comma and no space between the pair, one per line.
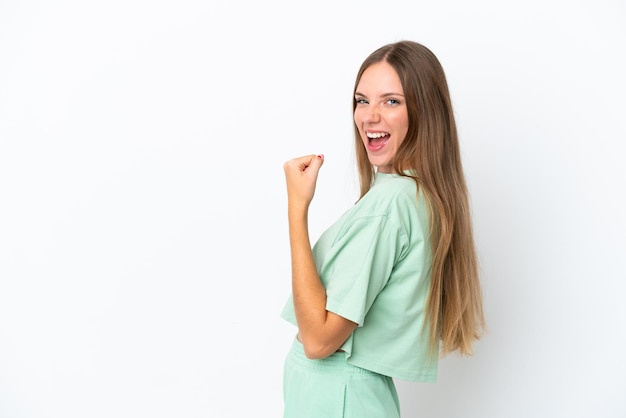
375,265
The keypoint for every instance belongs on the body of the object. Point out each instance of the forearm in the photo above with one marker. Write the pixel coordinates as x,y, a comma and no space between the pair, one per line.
309,295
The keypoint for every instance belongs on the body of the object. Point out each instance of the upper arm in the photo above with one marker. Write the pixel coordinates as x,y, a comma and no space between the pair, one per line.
359,266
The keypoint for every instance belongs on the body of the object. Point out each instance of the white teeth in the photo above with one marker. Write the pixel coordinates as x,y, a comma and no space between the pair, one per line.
376,134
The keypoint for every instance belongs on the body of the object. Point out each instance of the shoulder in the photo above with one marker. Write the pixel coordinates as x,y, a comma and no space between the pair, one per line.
392,195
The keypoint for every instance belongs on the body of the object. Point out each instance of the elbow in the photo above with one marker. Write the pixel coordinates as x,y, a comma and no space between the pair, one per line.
316,354
317,351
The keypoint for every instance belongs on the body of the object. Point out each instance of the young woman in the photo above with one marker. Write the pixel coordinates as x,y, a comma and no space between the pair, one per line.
393,285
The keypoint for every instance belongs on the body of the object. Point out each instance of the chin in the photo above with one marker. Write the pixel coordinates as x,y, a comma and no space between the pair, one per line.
376,162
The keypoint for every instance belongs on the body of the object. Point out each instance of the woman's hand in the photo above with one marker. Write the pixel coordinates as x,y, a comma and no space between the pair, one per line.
301,175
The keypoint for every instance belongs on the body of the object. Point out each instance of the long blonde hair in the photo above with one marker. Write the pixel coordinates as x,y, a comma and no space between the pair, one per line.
454,309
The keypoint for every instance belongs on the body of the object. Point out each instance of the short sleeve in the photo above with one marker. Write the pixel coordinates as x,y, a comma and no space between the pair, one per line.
358,264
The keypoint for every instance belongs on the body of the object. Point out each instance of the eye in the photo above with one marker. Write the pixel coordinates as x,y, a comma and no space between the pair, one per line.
360,100
393,102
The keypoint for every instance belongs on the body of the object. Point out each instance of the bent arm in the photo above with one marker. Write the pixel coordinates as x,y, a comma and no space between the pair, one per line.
321,332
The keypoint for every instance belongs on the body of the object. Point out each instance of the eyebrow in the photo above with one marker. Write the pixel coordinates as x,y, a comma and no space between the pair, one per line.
383,95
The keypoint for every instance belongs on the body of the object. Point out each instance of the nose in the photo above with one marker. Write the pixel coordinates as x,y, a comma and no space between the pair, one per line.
371,114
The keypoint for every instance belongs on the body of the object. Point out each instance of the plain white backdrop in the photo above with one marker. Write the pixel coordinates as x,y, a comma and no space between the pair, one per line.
143,247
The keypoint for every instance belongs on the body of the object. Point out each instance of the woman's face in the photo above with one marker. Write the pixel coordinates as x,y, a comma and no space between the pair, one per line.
380,114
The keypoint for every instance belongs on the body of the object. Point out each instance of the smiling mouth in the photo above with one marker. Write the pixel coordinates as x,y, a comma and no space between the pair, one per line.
377,140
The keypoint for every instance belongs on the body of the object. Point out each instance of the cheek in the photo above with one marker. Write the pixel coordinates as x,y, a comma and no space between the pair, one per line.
358,122
402,125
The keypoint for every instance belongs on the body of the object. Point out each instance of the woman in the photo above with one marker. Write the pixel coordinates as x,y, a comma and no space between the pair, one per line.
393,285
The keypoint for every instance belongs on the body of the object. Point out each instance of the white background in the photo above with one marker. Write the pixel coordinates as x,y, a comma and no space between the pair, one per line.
143,247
